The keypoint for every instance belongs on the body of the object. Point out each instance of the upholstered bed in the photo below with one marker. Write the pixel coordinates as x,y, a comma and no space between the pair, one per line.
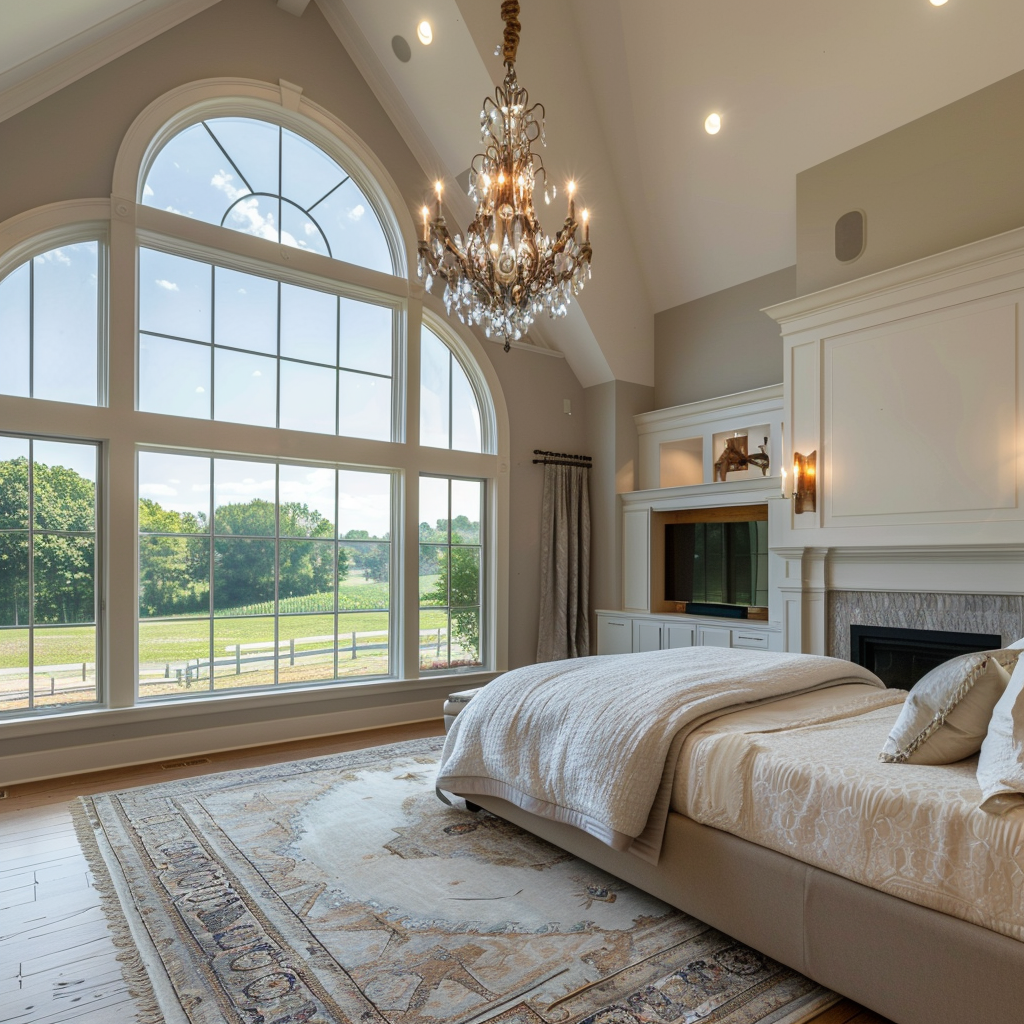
882,881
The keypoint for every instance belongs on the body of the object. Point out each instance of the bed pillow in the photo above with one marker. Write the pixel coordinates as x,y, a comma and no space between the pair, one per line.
1001,764
1016,645
946,716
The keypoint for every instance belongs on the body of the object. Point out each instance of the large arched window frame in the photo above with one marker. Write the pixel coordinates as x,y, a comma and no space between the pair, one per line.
124,224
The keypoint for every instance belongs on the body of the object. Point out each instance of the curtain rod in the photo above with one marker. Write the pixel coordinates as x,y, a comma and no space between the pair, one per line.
562,459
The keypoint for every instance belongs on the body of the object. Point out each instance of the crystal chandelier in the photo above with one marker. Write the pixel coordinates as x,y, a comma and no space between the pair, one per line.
506,270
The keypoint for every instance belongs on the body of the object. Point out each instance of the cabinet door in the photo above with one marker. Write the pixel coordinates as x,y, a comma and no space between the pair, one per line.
614,635
716,638
674,635
748,638
636,560
646,635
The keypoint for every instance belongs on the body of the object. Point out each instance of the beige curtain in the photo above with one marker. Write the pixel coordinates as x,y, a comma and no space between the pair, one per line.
565,564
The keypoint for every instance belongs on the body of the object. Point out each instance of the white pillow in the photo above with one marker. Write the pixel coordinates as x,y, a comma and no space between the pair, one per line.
1001,764
946,716
1016,646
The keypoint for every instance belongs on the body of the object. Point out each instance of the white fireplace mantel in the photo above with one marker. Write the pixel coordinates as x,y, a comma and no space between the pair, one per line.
909,385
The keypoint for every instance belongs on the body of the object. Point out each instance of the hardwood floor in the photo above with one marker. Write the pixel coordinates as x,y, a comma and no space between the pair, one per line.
57,960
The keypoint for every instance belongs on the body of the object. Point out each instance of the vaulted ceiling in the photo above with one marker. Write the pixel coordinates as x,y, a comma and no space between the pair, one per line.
627,84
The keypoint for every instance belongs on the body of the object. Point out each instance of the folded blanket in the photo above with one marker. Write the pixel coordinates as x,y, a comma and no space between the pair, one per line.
593,741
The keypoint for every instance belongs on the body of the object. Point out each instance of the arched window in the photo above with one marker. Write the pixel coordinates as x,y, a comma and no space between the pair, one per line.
50,315
251,428
265,180
450,414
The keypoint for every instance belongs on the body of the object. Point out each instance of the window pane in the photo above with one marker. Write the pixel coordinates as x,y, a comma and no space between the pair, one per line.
65,330
307,501
253,148
64,569
364,505
433,509
245,388
306,580
433,575
306,645
366,336
13,581
433,639
255,215
462,567
244,496
174,493
300,231
465,643
364,406
309,325
14,332
174,576
13,483
174,657
353,230
467,497
366,565
435,363
246,311
243,577
174,377
14,684
363,644
174,295
191,176
308,397
466,433
307,172
243,652
65,666
64,486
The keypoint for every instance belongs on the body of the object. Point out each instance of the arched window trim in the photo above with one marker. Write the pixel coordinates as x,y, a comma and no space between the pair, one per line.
187,105
471,364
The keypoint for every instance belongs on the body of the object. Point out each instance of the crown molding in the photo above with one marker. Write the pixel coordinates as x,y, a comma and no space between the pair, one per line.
50,71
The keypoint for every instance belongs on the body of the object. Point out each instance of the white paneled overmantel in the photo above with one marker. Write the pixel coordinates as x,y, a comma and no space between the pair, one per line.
909,386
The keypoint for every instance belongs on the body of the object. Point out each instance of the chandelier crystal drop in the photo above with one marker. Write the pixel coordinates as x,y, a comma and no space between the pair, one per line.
507,270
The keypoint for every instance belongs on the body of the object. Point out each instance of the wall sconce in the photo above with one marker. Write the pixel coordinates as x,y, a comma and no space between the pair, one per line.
805,482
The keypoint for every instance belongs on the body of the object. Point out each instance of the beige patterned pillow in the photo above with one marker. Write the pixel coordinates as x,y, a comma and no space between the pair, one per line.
1001,764
946,716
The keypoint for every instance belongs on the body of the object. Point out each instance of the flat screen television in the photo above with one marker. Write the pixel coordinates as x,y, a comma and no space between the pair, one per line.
721,564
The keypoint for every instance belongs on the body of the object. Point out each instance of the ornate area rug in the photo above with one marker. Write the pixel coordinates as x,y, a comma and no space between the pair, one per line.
341,889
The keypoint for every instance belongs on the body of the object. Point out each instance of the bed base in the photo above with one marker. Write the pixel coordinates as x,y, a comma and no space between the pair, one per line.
906,962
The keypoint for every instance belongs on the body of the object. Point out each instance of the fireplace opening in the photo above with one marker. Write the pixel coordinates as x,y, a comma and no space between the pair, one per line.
899,657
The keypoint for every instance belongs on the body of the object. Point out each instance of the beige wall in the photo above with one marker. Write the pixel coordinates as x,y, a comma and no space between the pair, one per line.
720,344
951,177
64,148
610,409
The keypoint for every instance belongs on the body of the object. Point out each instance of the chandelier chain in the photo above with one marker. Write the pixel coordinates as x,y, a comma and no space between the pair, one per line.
510,15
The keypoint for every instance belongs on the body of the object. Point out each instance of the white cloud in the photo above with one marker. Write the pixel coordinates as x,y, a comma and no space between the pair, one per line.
357,211
147,191
55,256
168,286
157,490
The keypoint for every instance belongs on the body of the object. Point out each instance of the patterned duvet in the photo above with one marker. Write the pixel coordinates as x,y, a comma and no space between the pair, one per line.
802,776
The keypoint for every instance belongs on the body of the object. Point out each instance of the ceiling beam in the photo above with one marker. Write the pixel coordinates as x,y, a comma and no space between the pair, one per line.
295,7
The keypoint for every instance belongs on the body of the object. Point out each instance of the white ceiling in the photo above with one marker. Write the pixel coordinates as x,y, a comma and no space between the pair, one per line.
677,214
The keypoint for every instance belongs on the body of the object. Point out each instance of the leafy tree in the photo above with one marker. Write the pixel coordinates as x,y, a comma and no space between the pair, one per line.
458,587
174,572
373,559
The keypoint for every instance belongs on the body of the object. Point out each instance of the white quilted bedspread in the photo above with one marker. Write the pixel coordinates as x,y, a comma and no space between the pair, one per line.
593,741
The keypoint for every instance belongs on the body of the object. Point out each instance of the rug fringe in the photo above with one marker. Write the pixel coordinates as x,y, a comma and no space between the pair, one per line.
133,969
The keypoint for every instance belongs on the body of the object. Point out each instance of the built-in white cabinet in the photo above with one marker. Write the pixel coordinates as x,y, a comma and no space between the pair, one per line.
619,633
636,560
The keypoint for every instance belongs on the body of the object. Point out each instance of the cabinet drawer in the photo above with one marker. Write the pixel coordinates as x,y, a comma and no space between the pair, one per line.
746,638
614,636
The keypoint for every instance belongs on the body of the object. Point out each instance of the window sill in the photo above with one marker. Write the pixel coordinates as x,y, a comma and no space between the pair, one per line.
205,706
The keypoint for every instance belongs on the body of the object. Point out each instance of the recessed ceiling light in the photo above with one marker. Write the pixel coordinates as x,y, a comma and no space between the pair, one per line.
425,33
713,124
938,3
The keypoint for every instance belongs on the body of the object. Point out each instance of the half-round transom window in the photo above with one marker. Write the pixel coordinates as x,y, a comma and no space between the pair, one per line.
267,181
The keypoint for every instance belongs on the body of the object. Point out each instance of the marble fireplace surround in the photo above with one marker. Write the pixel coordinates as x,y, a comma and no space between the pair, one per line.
970,589
960,613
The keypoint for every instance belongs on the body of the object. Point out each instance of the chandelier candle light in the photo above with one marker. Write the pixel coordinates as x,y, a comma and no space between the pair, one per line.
506,270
